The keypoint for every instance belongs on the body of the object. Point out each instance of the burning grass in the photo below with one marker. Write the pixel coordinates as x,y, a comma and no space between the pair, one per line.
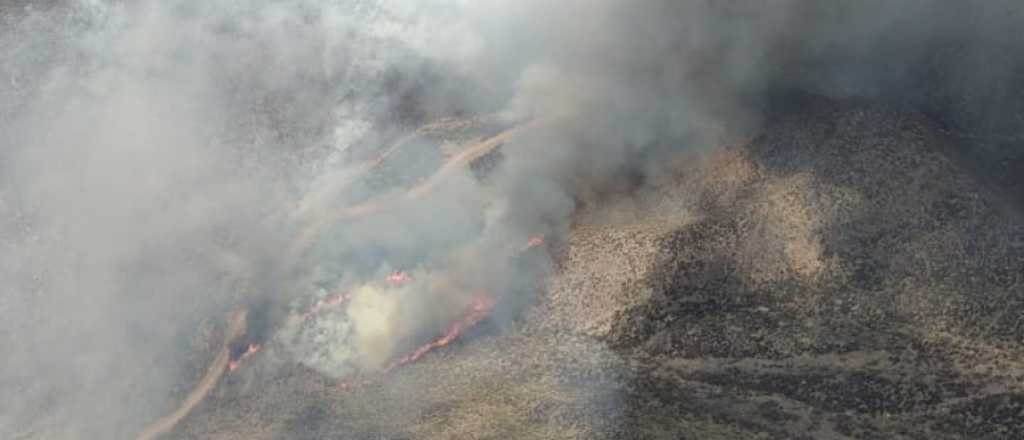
236,351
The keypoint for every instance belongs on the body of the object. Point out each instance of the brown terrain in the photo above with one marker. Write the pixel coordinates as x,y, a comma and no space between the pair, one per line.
841,274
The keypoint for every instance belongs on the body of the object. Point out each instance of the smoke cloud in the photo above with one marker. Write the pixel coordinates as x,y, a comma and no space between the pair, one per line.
158,157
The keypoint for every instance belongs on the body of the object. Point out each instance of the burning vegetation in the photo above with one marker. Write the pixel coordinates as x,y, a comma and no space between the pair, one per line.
242,347
758,219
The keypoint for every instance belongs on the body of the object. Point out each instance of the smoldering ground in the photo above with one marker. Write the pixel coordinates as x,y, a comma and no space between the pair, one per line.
153,152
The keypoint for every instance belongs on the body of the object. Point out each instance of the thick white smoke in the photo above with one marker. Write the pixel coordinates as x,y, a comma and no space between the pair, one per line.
158,157
152,154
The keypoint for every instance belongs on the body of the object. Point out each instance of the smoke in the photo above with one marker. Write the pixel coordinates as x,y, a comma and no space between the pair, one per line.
150,153
156,156
134,221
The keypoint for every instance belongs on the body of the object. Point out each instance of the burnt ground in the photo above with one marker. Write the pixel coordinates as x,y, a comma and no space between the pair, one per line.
840,275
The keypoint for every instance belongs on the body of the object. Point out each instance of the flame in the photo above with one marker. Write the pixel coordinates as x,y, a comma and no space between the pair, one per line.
307,237
398,277
534,242
481,307
478,311
251,350
340,298
331,301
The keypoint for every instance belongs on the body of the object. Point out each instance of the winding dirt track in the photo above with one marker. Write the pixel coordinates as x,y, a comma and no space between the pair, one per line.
235,329
307,236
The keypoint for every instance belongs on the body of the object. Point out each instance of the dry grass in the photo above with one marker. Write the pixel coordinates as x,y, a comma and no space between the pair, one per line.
235,329
835,277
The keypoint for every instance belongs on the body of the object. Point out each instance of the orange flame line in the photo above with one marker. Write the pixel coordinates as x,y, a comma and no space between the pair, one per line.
251,350
481,307
340,298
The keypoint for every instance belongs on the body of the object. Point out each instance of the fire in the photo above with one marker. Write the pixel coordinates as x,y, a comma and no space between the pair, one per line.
340,298
337,299
534,242
481,307
479,310
331,301
249,351
398,277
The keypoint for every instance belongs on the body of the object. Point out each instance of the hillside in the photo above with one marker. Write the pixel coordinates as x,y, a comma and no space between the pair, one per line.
836,276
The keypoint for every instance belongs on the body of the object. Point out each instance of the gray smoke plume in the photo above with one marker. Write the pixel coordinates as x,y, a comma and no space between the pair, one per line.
156,156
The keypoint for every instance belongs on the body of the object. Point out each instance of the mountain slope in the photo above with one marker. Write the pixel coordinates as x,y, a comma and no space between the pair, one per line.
837,276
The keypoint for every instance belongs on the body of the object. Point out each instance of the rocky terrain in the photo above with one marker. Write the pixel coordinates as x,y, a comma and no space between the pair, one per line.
838,275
